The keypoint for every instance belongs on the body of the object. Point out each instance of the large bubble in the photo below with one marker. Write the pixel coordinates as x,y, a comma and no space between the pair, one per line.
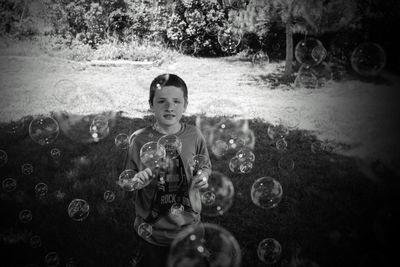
43,130
310,51
152,154
266,192
269,250
172,145
368,59
204,245
78,209
217,198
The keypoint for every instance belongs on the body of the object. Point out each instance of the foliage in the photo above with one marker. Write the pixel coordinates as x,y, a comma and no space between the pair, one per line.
198,21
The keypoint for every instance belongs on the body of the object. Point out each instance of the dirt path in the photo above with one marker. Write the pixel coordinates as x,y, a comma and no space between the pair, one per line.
361,114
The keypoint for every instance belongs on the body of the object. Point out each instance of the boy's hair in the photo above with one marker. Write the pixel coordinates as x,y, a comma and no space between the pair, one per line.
167,79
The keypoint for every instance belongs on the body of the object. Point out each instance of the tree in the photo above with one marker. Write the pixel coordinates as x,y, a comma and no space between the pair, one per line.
308,16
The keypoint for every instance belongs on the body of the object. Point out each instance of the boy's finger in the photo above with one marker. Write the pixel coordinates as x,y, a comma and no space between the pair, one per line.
148,172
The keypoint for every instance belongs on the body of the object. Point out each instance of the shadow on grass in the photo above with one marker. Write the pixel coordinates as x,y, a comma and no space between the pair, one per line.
330,212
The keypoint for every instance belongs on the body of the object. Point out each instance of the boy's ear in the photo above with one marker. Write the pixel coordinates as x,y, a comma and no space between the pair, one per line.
185,105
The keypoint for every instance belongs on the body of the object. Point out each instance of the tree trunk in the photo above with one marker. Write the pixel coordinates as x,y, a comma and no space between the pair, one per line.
289,48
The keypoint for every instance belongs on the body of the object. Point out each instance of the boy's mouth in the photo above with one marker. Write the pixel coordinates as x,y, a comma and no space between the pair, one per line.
169,116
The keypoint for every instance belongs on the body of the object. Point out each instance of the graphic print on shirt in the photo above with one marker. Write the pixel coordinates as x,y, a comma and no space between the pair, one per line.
172,188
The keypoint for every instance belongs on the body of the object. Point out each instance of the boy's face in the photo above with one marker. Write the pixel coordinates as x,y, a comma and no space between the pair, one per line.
168,105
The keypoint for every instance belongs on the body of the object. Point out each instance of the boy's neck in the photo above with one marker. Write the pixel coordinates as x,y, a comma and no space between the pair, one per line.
173,129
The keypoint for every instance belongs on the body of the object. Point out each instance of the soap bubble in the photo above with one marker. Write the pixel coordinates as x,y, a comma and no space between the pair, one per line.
306,78
323,72
172,145
78,209
290,118
176,209
41,190
25,216
245,154
35,241
187,47
109,196
204,245
9,184
281,144
44,130
3,158
71,263
229,40
266,192
122,141
234,165
198,162
260,59
119,31
27,169
55,153
246,166
64,90
217,198
99,128
52,259
126,182
208,198
368,59
152,154
145,230
219,148
310,51
269,250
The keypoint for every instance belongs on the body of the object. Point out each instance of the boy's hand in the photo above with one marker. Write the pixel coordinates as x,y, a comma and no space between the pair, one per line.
200,181
143,177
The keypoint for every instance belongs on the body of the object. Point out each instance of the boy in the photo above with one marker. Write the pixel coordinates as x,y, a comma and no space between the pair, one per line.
174,184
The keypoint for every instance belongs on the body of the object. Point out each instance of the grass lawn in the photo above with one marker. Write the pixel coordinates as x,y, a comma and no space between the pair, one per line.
336,210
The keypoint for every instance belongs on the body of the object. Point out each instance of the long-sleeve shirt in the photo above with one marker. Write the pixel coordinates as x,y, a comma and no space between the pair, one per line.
153,202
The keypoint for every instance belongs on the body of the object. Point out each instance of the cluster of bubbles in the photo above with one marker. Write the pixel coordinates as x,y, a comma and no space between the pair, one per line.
188,47
204,245
310,53
365,58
